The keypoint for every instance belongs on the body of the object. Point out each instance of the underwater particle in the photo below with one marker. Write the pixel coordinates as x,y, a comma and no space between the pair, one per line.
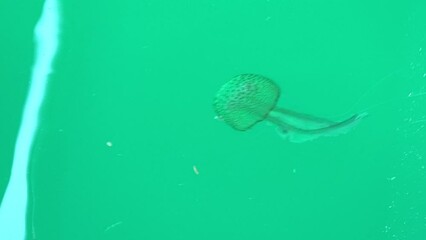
248,99
195,170
109,144
391,178
113,226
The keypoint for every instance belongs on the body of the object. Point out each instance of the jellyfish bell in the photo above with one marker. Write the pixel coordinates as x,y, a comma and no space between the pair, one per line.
248,99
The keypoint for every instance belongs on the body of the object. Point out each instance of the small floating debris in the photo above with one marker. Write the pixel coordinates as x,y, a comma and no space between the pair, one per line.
113,226
195,170
391,178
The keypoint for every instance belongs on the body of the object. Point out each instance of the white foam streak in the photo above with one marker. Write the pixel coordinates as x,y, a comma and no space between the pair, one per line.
13,208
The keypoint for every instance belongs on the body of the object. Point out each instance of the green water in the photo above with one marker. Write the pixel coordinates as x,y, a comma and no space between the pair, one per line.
128,146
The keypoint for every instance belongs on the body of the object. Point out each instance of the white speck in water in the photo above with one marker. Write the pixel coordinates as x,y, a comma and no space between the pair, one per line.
195,170
387,228
391,178
219,118
109,144
113,226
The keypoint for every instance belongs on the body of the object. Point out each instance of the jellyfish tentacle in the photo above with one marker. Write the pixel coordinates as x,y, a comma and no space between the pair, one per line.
339,125
304,116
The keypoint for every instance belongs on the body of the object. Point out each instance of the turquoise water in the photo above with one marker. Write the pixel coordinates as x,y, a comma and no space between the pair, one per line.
127,145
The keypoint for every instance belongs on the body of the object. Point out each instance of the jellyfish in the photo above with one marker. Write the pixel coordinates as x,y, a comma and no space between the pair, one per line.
248,99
